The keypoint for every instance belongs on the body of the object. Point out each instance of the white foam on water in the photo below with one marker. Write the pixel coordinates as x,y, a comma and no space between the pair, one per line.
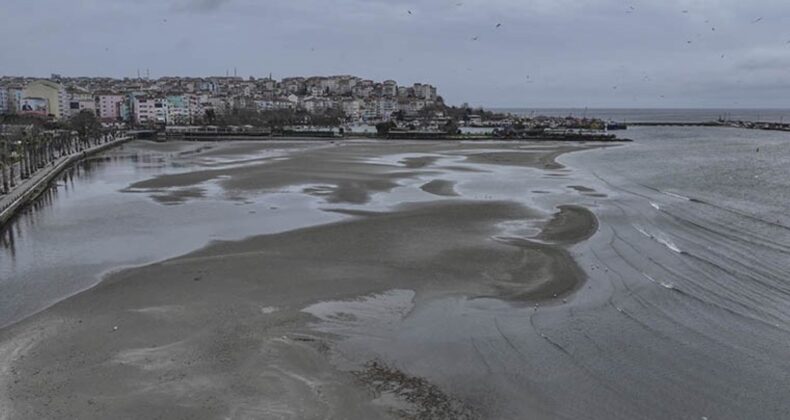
682,197
660,283
642,231
660,238
669,244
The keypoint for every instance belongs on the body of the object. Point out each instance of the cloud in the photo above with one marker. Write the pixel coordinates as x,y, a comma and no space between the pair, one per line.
766,59
199,5
574,51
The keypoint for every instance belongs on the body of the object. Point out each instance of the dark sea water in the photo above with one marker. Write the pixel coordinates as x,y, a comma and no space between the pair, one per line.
693,263
659,115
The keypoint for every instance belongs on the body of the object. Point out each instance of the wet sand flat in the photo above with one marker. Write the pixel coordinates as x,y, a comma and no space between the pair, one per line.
222,332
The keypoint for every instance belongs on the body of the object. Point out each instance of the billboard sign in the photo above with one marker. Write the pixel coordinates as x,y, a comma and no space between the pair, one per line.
37,106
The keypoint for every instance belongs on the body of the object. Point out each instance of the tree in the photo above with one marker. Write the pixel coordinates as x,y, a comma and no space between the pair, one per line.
86,125
383,128
5,164
451,127
210,116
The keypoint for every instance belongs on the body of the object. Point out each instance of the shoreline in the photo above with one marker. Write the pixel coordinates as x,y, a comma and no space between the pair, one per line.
32,188
213,137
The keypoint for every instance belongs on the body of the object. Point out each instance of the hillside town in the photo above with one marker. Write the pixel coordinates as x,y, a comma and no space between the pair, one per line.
196,101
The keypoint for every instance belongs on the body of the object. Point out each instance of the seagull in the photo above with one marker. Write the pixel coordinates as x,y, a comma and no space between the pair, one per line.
757,20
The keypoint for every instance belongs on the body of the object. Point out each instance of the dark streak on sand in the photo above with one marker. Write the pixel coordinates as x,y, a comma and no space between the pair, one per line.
425,400
572,224
440,187
535,159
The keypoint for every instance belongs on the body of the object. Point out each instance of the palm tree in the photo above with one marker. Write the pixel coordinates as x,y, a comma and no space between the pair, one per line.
5,162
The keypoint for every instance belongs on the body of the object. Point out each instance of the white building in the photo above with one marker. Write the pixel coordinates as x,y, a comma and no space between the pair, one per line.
4,100
148,110
273,104
385,107
183,109
389,88
352,108
14,99
316,104
80,100
424,91
109,106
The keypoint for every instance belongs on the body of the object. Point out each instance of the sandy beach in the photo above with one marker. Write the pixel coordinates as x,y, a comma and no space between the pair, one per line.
222,332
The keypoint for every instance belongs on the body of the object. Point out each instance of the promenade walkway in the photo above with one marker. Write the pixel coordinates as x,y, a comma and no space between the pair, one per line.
29,189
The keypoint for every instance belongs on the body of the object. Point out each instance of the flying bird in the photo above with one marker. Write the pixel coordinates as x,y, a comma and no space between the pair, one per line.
757,20
685,11
475,38
409,11
498,25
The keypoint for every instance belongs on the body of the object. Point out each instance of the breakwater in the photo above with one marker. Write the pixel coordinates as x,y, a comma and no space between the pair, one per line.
748,125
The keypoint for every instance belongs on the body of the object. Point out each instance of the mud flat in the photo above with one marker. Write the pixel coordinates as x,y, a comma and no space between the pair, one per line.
288,325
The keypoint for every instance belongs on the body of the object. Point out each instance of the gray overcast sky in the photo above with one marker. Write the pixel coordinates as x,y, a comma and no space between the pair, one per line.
596,53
